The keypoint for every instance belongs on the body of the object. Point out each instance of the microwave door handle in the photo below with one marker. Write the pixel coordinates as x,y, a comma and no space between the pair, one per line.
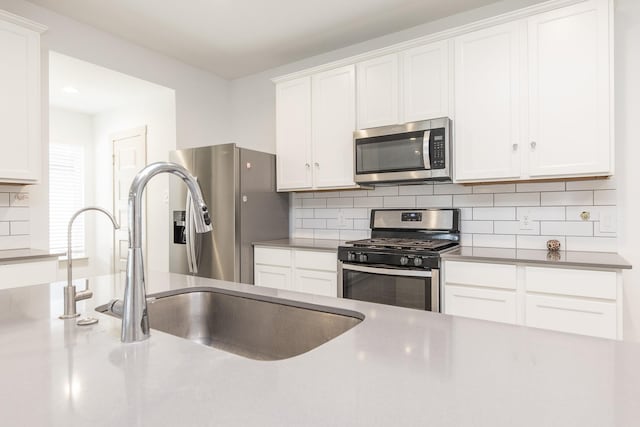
425,149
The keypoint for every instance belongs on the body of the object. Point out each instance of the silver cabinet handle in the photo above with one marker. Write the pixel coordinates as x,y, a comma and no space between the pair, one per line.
425,149
317,164
515,147
533,145
307,165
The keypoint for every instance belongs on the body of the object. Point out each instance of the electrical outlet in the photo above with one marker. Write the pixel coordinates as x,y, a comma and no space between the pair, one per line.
342,222
526,222
607,223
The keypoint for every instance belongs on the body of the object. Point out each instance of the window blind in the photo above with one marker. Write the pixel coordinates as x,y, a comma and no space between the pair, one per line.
66,196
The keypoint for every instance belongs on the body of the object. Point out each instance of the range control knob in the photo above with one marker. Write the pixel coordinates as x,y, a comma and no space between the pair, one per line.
404,260
417,262
351,256
362,258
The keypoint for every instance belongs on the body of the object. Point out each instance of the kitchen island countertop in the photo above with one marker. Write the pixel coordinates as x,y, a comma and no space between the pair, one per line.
398,367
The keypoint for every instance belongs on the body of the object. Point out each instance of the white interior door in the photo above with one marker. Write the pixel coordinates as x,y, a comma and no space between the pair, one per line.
129,157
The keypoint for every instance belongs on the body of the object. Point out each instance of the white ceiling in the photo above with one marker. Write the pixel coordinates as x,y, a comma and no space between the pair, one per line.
235,38
99,89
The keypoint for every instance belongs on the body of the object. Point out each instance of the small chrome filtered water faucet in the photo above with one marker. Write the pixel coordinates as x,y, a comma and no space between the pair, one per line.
135,320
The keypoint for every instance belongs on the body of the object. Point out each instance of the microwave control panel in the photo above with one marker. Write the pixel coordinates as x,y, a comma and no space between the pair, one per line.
437,147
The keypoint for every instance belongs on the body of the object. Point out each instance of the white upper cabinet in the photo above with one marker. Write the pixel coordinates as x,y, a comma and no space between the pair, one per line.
425,82
315,120
533,97
334,119
378,92
487,104
293,134
404,87
20,135
569,98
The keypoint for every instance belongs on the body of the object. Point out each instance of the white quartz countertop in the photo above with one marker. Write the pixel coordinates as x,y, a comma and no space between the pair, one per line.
398,367
8,256
608,260
316,244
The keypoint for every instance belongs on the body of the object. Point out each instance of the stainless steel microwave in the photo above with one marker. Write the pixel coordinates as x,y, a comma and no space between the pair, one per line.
416,151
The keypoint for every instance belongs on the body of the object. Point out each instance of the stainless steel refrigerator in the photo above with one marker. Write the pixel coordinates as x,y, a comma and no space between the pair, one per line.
239,186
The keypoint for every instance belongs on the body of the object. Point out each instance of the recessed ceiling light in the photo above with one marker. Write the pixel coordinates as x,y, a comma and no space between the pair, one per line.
70,89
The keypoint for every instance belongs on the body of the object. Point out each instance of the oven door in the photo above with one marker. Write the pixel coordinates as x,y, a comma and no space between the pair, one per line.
419,289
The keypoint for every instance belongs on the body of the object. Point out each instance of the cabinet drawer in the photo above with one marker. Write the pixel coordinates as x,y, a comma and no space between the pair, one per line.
28,273
486,304
595,318
481,274
316,282
584,283
312,260
272,256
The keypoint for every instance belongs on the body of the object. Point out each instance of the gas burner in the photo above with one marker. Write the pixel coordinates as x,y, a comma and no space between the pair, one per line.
401,243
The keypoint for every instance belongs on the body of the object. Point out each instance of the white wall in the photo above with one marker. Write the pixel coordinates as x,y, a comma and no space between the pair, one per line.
73,128
158,114
627,81
202,98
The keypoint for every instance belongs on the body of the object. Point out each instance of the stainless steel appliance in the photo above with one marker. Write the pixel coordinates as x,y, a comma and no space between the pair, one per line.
239,186
400,264
415,151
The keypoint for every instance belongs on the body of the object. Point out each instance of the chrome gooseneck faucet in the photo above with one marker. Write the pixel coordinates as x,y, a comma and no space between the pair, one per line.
70,294
135,320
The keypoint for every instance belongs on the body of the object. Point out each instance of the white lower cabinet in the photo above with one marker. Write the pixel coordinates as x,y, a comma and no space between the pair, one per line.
28,273
580,301
301,270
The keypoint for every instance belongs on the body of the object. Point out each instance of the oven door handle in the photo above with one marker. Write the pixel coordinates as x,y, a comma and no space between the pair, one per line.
387,271
425,149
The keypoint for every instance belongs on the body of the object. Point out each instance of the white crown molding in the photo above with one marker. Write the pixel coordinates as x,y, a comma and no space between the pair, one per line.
23,22
430,38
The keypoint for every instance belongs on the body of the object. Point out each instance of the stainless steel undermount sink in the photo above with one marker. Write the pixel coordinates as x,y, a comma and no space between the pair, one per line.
253,326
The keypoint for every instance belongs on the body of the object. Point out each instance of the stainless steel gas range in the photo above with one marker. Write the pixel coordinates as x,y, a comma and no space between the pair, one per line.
400,264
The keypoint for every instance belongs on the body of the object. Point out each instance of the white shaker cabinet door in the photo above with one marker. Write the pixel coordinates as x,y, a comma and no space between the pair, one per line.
293,134
316,282
20,137
486,304
569,92
271,276
425,82
487,104
334,120
378,92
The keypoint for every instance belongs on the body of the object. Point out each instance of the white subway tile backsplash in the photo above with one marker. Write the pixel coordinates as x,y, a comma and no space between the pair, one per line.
604,197
391,190
497,214
314,223
304,213
325,213
415,190
355,213
592,244
567,228
5,229
20,228
592,184
540,186
541,213
326,234
400,202
539,242
367,202
346,224
434,201
491,214
567,198
472,200
517,199
14,214
346,202
14,242
494,241
452,189
314,203
4,199
494,188
514,227
473,227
